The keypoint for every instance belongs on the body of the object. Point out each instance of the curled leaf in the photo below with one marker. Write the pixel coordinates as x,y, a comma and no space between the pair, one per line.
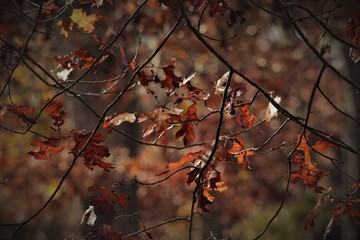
89,216
272,111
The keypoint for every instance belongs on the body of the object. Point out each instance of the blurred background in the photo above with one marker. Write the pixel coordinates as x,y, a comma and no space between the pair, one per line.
265,47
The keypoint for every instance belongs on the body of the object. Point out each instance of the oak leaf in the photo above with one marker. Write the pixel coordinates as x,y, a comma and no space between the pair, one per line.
187,120
20,111
94,152
245,119
159,122
241,154
171,81
210,182
189,157
106,198
46,148
307,171
56,112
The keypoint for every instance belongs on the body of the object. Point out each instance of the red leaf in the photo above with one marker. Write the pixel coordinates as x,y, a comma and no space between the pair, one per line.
94,152
46,148
21,111
106,198
55,111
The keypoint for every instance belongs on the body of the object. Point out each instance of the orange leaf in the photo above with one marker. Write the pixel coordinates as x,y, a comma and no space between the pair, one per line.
192,156
322,145
238,150
246,119
307,170
237,146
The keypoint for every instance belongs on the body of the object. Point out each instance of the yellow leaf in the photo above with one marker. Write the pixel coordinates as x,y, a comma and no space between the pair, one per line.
220,186
84,21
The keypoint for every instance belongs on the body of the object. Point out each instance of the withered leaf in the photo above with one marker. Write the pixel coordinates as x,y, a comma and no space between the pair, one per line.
56,112
47,147
94,152
189,157
106,198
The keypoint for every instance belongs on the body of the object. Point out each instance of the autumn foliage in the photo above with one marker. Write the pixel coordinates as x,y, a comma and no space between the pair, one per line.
227,105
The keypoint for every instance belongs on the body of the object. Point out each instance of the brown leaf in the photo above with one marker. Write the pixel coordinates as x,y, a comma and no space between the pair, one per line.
211,181
171,81
117,120
160,122
187,127
353,33
105,232
310,221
